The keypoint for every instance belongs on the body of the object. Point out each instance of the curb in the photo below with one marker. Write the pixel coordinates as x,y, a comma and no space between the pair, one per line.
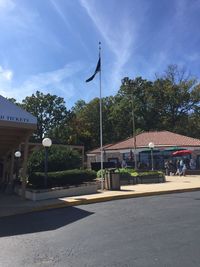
78,202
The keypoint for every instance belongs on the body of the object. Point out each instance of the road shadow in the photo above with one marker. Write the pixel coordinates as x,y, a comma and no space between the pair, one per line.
40,221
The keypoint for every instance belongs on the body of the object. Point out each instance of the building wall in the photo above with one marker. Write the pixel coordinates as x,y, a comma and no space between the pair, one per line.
90,158
106,157
119,154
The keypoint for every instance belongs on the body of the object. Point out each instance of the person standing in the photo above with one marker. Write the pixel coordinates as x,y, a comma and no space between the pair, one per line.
181,167
166,167
178,167
184,169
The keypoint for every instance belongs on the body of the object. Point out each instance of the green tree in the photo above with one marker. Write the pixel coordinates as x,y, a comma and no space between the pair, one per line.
50,111
86,122
176,96
132,95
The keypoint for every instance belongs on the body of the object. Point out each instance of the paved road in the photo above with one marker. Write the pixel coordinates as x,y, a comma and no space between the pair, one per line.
150,231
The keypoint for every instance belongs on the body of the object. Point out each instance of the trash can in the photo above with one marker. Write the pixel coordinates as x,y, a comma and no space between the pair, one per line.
112,181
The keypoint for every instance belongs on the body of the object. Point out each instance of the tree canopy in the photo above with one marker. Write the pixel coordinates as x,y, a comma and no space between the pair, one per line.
170,102
50,111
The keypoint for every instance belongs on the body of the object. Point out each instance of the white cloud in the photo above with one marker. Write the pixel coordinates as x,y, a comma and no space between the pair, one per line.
5,74
57,82
61,14
6,5
118,37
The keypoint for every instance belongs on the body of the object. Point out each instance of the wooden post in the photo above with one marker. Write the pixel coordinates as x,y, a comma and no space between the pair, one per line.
12,166
24,168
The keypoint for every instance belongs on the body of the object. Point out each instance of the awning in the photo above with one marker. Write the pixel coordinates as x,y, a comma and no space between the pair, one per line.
182,153
149,151
175,148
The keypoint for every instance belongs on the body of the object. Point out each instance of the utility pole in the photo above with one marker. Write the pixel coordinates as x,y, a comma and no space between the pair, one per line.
129,84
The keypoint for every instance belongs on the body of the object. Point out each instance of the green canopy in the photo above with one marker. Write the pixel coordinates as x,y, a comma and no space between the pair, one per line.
175,148
149,151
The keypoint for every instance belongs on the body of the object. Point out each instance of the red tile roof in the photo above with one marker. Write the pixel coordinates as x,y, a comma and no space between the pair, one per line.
162,138
97,150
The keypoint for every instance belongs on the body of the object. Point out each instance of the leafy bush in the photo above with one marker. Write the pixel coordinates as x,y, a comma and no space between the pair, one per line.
124,170
148,173
127,173
59,159
61,178
101,172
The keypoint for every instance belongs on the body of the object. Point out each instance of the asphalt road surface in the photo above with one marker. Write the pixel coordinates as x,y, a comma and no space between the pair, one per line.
149,231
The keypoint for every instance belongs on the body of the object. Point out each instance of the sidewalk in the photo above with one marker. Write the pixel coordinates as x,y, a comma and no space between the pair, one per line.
12,204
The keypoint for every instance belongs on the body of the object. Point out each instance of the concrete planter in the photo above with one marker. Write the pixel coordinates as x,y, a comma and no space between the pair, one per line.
150,179
131,180
142,180
83,189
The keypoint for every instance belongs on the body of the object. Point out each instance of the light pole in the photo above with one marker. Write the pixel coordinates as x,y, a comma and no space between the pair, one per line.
130,83
17,155
46,142
151,146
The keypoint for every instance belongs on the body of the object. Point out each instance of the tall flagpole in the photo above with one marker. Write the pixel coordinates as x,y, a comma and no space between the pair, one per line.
101,132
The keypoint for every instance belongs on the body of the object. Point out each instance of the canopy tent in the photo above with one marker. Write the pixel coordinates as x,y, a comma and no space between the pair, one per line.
175,148
149,151
182,153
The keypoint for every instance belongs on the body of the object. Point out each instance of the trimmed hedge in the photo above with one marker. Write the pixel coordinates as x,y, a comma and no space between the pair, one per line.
61,178
59,159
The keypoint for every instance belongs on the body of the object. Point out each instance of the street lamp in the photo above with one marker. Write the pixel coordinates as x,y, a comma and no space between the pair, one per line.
17,155
46,142
130,83
151,146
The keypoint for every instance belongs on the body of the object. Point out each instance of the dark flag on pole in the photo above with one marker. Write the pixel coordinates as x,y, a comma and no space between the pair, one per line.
98,68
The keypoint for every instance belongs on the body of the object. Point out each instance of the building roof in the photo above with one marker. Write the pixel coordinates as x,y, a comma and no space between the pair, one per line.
97,150
160,139
16,125
11,113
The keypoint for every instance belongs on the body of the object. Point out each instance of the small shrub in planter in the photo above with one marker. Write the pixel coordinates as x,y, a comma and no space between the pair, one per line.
125,170
125,173
151,174
100,172
129,174
61,178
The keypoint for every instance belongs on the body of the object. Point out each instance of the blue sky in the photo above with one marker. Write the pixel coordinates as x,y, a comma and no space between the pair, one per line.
52,45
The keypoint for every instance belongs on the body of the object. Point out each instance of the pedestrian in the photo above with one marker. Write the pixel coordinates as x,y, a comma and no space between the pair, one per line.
124,164
178,167
181,167
184,169
192,164
187,163
166,167
172,168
